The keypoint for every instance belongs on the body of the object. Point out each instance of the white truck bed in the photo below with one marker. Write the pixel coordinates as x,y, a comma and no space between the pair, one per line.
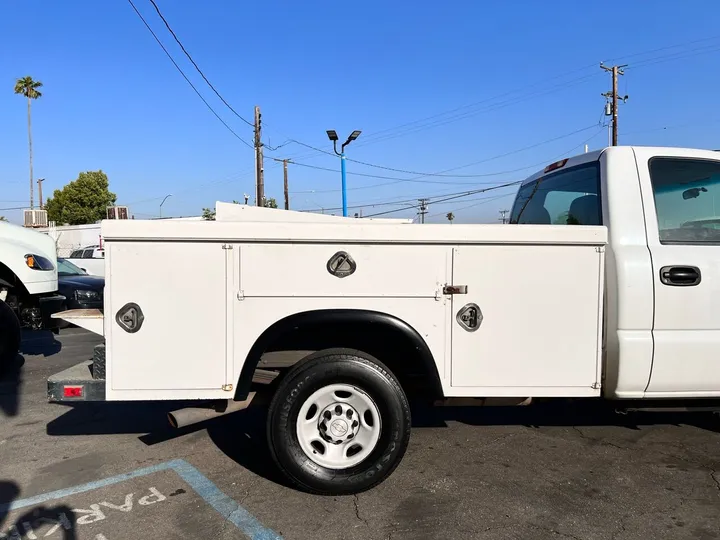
208,290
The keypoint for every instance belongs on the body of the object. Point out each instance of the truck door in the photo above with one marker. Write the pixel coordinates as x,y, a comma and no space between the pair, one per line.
681,192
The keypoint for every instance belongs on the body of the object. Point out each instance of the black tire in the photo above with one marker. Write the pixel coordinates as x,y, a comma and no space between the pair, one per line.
320,369
9,336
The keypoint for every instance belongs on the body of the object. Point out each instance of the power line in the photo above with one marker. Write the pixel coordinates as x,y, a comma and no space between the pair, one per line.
482,200
167,25
186,77
665,48
489,108
449,198
374,203
443,173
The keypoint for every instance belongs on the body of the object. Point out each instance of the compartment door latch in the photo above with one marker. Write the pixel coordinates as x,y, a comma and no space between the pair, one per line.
130,317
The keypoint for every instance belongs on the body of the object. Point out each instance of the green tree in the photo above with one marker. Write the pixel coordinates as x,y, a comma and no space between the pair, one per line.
3,218
208,214
29,88
82,201
270,202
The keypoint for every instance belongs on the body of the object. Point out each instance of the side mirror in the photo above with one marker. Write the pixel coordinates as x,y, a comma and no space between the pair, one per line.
692,193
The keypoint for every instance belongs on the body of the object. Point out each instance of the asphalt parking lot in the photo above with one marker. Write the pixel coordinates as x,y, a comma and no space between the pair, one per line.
117,471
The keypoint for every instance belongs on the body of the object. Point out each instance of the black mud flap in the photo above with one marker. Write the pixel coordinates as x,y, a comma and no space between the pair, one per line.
82,382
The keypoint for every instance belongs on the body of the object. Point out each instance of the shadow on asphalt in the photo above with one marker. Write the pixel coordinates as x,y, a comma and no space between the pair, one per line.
36,521
241,435
10,383
39,342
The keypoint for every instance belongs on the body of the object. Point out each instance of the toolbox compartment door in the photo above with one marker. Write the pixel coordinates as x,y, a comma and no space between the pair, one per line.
176,295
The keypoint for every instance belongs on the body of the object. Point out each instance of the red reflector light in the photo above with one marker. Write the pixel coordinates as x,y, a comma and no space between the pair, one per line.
556,165
73,391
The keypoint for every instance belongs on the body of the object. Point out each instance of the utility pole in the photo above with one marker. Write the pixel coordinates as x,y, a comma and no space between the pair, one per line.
502,216
423,209
285,181
40,181
613,96
259,170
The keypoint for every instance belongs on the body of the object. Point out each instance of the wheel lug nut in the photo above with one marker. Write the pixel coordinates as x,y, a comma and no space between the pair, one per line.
338,409
327,415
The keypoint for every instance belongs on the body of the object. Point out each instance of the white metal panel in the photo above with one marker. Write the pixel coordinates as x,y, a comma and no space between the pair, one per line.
629,286
89,319
180,350
381,270
686,328
426,315
349,231
245,212
542,313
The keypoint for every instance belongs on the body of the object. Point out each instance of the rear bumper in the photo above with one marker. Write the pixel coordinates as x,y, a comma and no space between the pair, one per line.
82,382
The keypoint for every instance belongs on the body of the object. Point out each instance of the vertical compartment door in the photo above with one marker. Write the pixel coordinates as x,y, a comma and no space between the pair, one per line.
530,319
166,309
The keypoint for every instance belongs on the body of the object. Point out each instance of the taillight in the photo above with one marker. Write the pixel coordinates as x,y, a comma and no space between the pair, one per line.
73,391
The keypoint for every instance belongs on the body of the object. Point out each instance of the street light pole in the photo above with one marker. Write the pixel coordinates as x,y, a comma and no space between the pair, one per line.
332,135
344,183
163,202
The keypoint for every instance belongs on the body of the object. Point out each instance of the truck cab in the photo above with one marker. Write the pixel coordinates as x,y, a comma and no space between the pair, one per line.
661,207
28,285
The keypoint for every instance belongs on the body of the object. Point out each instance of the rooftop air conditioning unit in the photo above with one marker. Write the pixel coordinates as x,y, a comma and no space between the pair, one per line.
35,218
117,212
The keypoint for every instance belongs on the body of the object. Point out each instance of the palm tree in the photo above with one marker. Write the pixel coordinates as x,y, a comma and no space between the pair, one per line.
29,88
450,216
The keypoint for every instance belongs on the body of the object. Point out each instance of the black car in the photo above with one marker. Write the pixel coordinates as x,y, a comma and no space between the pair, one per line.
81,290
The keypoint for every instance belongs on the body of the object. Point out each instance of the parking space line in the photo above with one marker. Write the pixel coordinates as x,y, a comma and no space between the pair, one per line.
206,489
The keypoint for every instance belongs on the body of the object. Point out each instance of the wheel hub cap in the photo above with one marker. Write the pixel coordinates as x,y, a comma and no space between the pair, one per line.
338,426
338,423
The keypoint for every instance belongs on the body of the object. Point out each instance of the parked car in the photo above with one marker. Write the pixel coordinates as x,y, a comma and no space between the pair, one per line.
90,258
81,290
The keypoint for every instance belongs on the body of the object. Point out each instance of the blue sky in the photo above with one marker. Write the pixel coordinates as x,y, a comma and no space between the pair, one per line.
113,101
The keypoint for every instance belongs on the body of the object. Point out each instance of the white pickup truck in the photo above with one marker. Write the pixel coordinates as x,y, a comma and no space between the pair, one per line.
28,285
340,321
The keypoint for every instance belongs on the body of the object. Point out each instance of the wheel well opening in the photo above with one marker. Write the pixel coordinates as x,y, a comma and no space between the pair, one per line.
9,280
391,346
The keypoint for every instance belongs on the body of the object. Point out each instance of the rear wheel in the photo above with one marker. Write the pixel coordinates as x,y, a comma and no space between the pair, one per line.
9,336
339,422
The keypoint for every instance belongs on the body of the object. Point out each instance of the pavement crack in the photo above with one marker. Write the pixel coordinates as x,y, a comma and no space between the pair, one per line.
602,442
713,475
356,500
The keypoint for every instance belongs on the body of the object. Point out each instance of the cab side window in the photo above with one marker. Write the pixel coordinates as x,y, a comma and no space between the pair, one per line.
687,199
569,197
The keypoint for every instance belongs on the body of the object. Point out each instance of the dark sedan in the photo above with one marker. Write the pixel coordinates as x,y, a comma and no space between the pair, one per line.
81,290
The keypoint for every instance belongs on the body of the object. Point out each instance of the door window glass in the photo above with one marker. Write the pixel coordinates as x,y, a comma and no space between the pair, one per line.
687,199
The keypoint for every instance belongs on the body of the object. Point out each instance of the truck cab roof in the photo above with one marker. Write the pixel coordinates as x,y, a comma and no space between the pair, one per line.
595,155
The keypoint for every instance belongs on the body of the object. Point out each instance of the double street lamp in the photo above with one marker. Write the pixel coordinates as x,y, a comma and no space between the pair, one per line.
332,135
